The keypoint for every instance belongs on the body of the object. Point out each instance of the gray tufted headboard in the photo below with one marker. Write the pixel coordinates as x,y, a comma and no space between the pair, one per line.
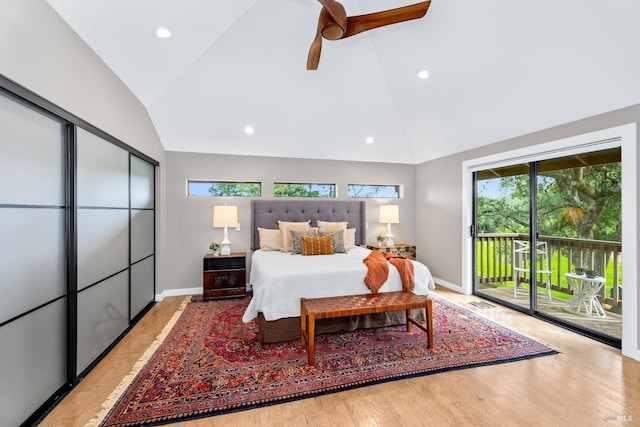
266,213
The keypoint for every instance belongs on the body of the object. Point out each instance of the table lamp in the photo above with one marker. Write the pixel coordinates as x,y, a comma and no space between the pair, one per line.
225,216
389,214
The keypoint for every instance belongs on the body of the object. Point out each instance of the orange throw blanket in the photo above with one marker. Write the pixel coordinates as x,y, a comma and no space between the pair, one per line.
378,270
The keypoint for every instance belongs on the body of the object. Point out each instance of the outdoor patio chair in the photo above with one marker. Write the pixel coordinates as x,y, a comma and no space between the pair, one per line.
521,265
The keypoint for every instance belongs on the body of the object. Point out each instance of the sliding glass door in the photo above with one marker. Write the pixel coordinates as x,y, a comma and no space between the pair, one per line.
579,223
548,240
502,234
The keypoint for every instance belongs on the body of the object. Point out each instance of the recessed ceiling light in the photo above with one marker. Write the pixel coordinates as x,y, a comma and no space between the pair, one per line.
423,74
369,140
162,32
248,130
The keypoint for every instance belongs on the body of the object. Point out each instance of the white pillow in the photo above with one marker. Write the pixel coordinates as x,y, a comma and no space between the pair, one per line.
269,239
285,237
332,226
349,238
329,226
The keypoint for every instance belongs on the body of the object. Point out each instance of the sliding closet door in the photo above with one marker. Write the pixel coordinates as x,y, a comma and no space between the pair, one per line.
142,235
103,245
32,260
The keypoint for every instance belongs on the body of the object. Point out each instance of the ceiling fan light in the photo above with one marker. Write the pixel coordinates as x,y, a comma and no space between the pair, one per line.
423,74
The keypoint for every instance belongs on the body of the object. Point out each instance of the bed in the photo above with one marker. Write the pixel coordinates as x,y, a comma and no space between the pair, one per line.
280,279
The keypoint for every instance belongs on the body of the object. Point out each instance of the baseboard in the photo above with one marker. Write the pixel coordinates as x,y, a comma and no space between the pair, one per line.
187,291
179,293
448,285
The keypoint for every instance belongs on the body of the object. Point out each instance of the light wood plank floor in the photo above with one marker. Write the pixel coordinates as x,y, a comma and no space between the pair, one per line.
587,384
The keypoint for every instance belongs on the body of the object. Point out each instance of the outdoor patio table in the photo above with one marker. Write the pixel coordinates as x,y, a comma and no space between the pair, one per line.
584,300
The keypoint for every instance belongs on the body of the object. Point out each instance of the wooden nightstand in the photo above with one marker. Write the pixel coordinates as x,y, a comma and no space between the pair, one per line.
402,249
224,276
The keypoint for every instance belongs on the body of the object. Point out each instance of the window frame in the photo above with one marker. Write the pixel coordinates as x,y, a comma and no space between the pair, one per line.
398,190
218,182
332,186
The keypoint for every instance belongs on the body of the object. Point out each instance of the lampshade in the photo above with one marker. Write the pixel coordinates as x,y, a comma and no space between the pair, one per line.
225,216
389,214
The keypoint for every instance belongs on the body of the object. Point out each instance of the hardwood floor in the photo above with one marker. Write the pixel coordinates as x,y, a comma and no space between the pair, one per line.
586,384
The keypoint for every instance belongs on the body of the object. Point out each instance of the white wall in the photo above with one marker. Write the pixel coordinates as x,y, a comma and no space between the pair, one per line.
189,229
440,229
39,51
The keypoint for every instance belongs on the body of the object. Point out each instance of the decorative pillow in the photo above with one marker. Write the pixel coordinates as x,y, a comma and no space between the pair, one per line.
332,226
269,239
338,240
316,245
296,241
350,238
285,236
328,226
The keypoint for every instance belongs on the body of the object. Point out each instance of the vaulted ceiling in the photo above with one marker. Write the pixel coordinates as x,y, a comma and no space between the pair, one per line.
497,69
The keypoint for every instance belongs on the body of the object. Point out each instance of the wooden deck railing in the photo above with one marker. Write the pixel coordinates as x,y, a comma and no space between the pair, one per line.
494,259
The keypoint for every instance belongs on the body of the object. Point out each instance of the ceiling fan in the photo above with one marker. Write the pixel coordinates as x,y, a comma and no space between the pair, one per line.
334,24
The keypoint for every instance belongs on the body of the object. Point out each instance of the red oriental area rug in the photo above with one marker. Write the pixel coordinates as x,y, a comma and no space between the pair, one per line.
211,363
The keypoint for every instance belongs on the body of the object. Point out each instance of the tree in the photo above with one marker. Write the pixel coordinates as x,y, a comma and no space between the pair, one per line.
589,201
303,190
583,202
235,189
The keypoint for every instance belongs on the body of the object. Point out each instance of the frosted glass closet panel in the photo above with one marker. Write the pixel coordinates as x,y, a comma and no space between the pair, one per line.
31,163
142,285
32,259
103,314
142,184
103,244
103,172
32,357
141,234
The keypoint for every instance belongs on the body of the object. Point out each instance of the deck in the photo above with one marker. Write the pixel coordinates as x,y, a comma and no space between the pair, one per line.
610,325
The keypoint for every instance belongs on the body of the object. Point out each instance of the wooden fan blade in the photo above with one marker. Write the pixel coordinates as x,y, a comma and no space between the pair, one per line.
327,28
336,10
316,46
314,53
361,23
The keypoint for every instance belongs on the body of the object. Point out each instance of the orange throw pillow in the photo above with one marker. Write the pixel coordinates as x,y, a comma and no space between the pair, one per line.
317,245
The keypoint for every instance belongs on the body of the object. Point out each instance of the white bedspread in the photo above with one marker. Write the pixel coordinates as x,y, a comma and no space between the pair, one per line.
279,280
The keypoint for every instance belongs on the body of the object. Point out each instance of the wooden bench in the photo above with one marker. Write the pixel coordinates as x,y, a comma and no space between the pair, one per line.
312,309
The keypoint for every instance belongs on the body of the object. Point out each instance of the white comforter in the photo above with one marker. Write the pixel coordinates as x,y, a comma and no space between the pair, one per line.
279,280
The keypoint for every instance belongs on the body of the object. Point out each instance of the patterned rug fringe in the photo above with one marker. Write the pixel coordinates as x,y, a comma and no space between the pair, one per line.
126,381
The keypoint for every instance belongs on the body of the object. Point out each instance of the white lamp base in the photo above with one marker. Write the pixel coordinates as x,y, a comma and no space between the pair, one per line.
225,245
389,236
389,239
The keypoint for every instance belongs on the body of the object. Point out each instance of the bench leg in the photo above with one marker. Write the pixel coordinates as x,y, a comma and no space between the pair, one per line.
429,313
429,323
311,324
303,323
